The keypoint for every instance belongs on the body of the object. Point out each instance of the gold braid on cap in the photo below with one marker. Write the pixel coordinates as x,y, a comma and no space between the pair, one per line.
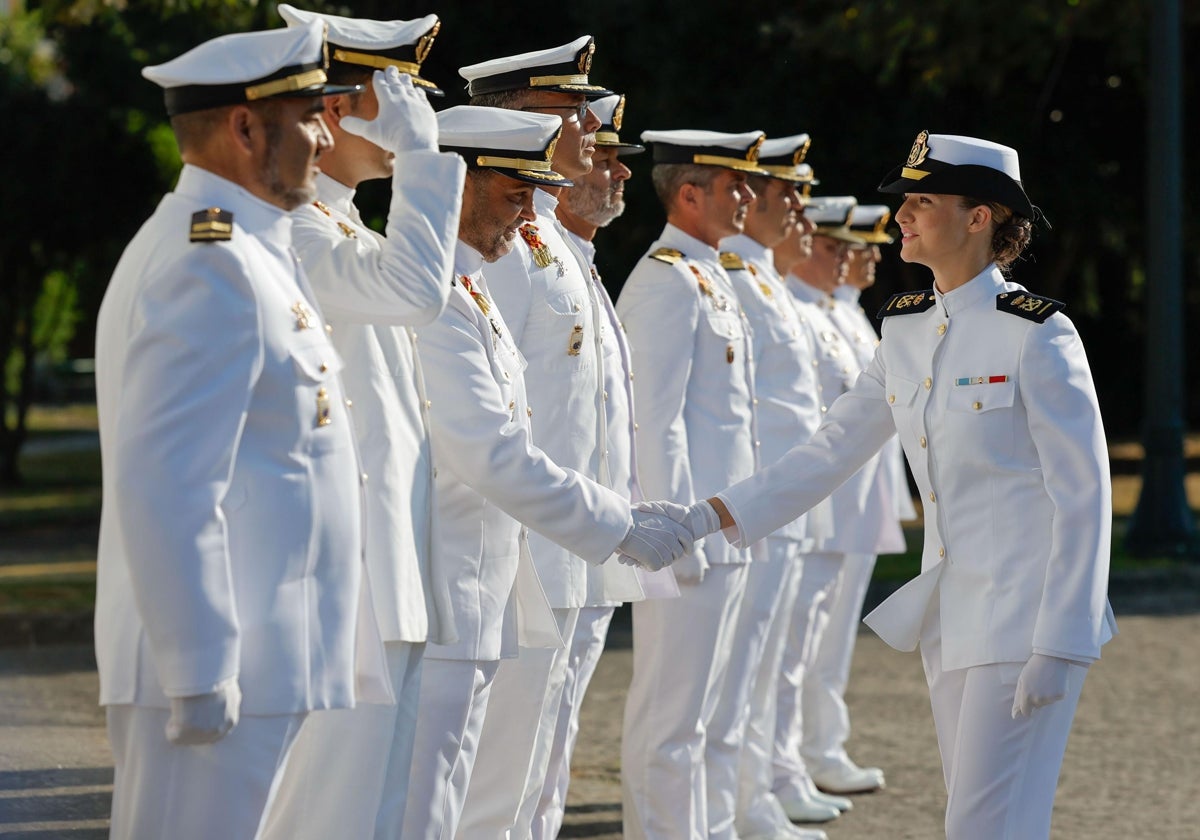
916,157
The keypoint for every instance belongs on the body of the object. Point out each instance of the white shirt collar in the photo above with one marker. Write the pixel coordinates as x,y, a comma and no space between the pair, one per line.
692,247
987,283
334,193
466,259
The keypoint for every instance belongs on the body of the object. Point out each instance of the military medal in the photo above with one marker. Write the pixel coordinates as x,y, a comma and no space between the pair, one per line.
702,281
303,315
323,418
729,353
575,342
478,297
542,257
980,380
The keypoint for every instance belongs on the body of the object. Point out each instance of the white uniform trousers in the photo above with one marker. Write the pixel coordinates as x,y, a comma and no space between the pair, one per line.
450,712
197,792
759,813
681,651
348,772
1001,774
826,716
587,644
727,729
810,616
514,749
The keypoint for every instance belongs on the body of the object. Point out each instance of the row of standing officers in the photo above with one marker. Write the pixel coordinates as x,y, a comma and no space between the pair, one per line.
371,501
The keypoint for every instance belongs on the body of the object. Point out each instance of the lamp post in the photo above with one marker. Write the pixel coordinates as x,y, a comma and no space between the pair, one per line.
1162,523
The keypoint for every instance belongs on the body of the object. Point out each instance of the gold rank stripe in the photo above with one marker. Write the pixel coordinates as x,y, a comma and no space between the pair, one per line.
912,174
299,81
378,61
740,164
547,81
513,163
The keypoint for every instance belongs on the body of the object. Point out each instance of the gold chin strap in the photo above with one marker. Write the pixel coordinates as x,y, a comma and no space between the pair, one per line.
912,174
287,84
379,62
550,81
740,164
514,163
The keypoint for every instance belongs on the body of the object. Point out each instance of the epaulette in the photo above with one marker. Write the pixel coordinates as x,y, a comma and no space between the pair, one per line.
1030,307
668,255
211,225
906,303
730,261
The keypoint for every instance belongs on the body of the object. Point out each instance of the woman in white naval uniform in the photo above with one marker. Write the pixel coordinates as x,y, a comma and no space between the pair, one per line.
989,389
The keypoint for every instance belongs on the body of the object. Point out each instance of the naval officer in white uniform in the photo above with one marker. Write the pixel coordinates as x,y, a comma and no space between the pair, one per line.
989,388
694,390
231,596
544,289
348,774
789,408
491,481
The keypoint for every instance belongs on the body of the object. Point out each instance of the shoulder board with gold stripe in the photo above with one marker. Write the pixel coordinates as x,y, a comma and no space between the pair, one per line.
731,261
1030,307
211,225
907,303
670,256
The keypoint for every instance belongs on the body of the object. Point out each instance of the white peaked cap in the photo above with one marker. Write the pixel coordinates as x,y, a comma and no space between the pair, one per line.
563,69
519,144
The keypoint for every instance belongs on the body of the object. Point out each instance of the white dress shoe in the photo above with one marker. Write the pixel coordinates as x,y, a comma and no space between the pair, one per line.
839,802
805,809
847,777
792,832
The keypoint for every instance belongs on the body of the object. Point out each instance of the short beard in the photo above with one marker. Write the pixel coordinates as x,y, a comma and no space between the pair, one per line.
594,205
288,197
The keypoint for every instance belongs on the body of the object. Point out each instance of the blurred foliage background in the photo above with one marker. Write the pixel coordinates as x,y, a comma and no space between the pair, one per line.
89,152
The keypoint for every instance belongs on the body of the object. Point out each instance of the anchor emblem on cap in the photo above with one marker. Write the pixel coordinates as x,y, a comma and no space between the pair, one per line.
919,150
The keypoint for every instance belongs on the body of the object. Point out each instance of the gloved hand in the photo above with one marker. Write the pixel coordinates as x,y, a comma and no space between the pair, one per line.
700,517
690,570
204,718
406,121
1043,681
654,541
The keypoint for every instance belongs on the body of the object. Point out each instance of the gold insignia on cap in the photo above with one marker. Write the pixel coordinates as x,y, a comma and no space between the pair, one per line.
752,152
916,157
619,113
211,225
801,153
585,58
425,44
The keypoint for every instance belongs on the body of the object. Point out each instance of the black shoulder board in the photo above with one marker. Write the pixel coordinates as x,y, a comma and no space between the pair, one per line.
731,261
211,225
907,303
668,255
1025,305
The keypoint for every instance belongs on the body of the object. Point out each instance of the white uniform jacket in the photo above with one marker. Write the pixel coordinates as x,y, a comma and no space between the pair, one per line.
490,477
369,288
857,328
230,539
786,382
544,289
612,583
998,417
695,376
854,507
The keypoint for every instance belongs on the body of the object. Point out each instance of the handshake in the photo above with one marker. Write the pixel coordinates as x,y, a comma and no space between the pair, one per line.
662,532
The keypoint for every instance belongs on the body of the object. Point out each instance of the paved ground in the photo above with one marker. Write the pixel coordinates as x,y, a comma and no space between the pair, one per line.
1131,769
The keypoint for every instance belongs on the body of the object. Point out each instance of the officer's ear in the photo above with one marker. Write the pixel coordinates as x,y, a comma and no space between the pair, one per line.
241,123
979,218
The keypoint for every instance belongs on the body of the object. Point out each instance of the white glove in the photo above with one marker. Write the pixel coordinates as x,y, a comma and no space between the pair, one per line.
406,121
654,541
690,570
204,718
700,518
1043,681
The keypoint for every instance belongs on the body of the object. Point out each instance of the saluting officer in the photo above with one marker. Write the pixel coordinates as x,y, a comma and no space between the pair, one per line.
231,599
544,288
694,389
787,386
989,389
348,775
491,481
